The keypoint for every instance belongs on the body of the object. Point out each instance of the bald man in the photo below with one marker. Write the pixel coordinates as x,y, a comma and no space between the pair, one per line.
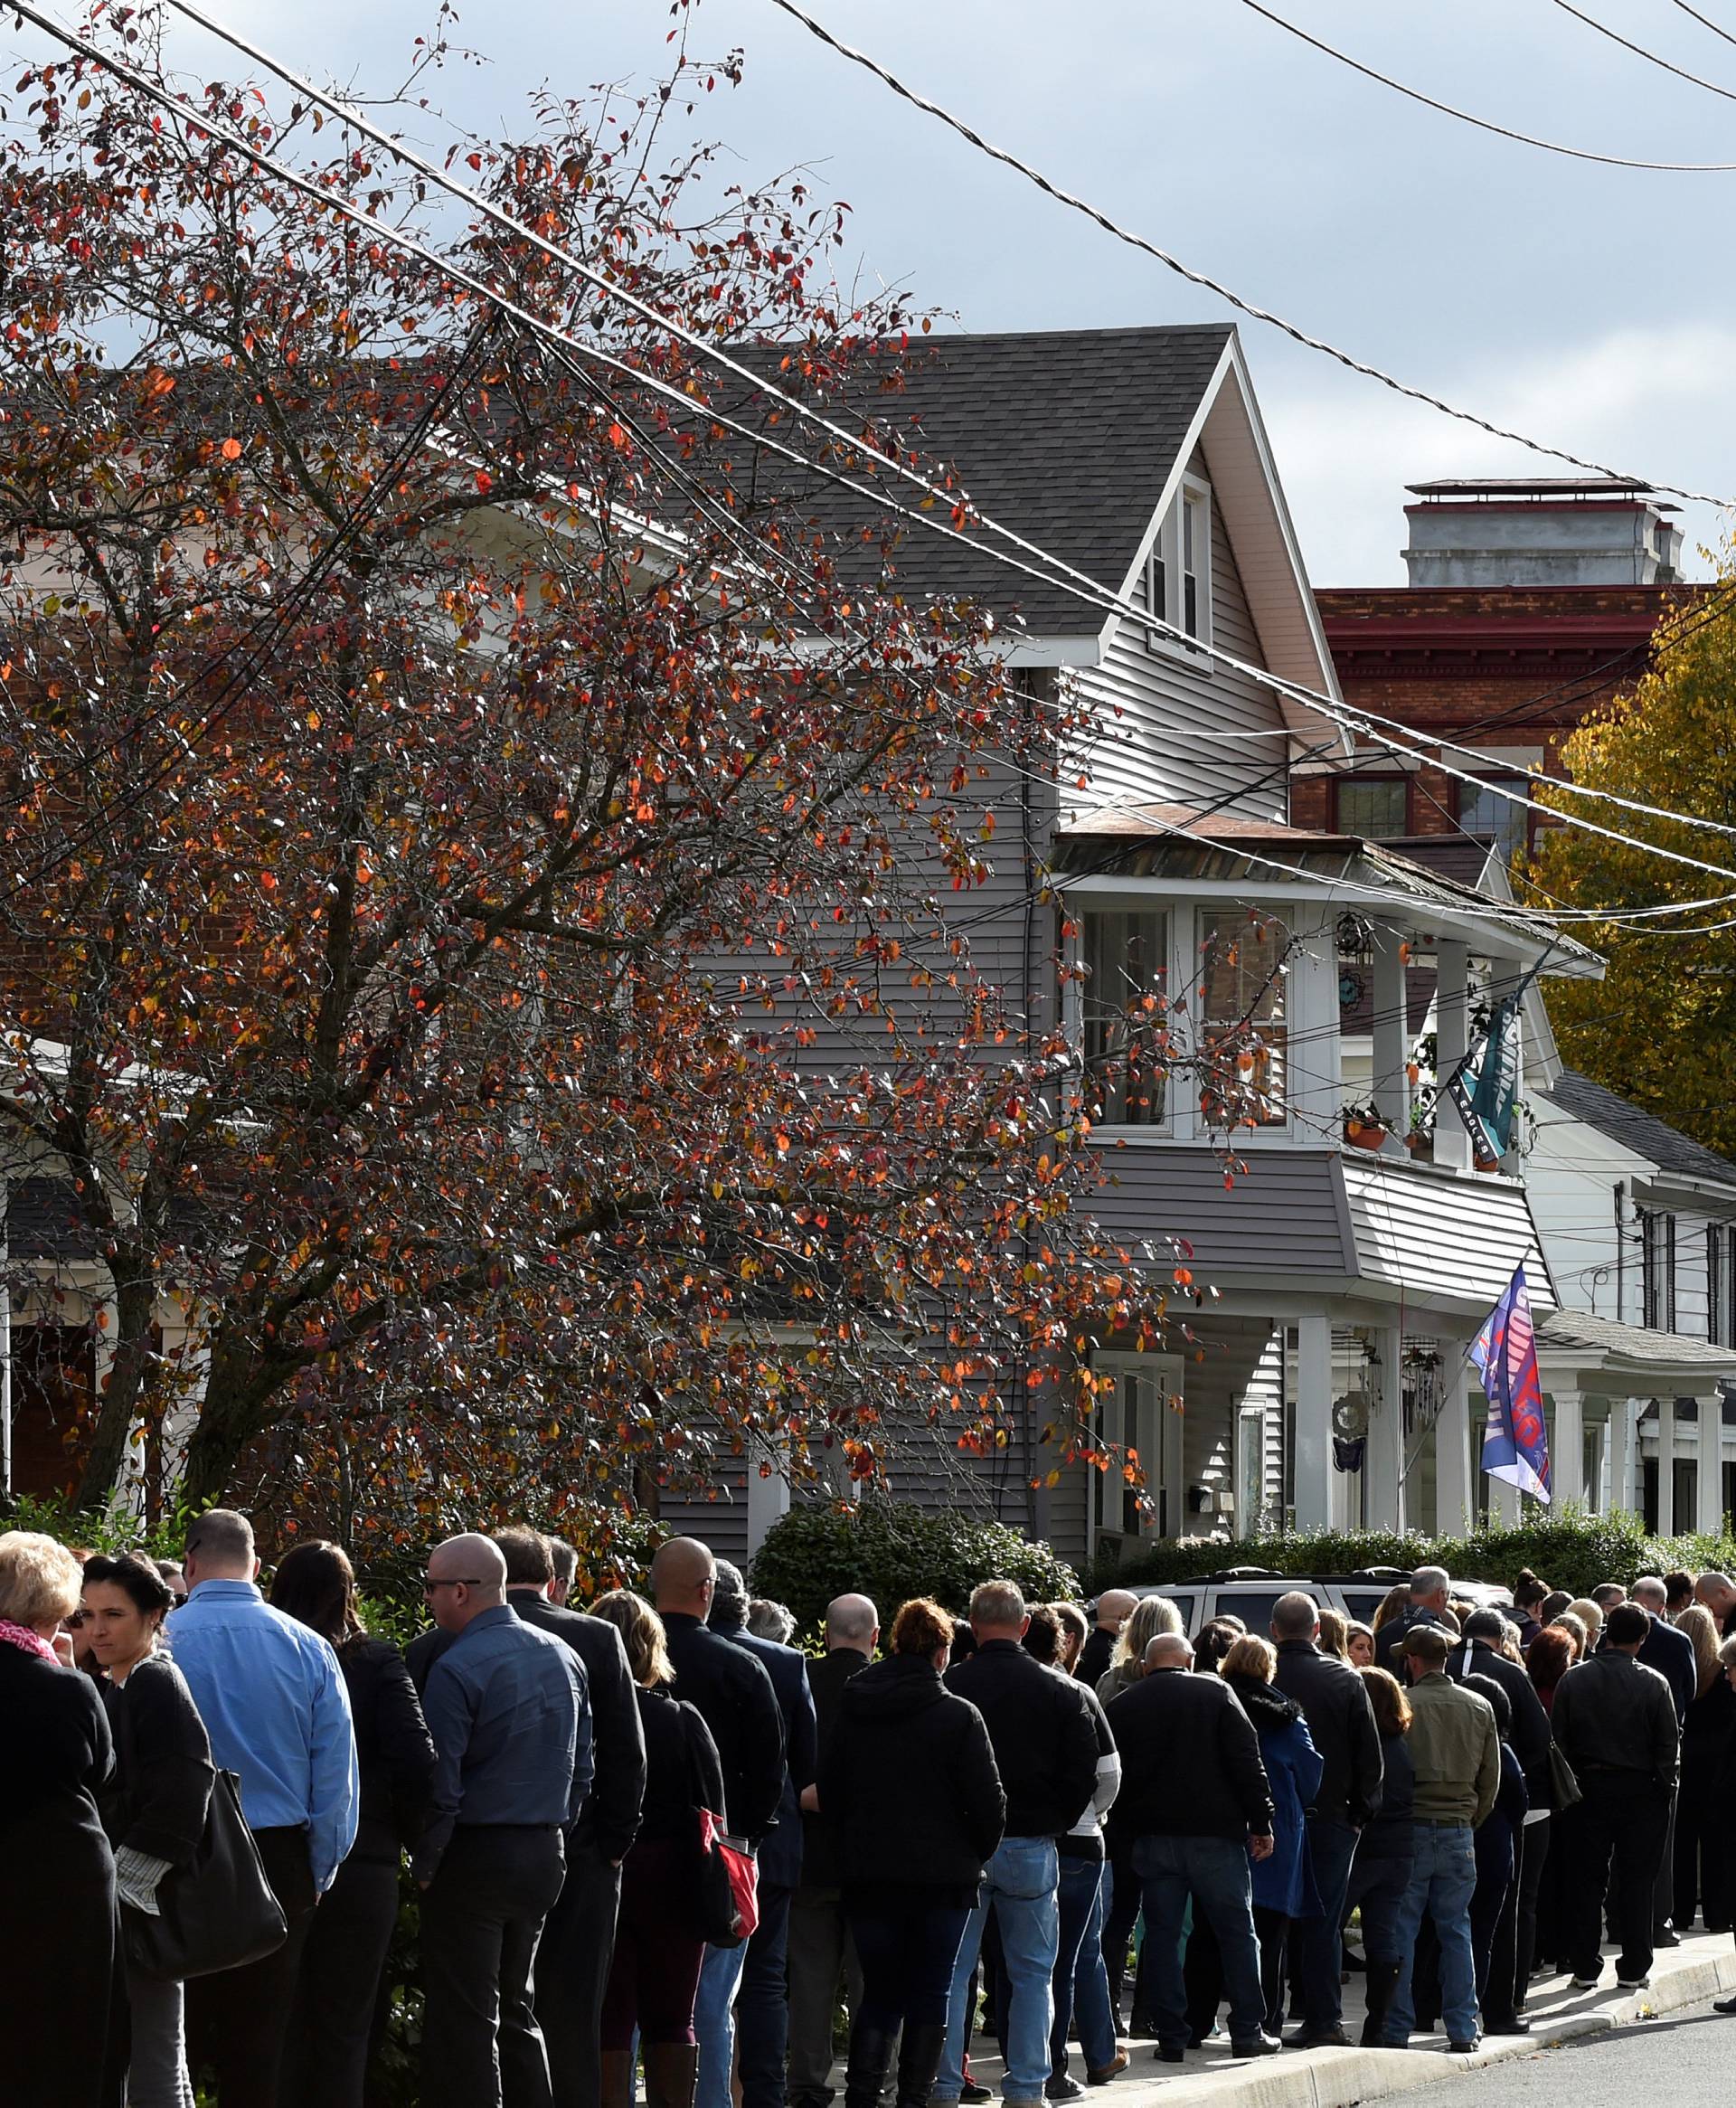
509,1710
1115,1606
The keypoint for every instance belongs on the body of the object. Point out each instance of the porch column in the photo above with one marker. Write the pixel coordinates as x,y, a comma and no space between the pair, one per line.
1313,1474
1666,1468
1384,1459
1623,1454
1452,1443
1452,1026
1708,1500
1392,1035
1567,1447
1503,1502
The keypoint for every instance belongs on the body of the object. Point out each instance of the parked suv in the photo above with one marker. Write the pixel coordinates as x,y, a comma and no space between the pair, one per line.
1252,1593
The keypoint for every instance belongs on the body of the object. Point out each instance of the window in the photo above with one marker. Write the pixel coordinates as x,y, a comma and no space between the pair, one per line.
1376,808
1505,822
1721,1285
1244,1013
1137,1414
1657,1270
1127,1016
1178,572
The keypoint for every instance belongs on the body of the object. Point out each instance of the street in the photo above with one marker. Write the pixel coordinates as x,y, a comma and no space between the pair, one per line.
1685,2061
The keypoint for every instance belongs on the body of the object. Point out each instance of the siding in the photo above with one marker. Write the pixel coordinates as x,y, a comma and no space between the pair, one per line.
1283,1215
1448,1238
1151,703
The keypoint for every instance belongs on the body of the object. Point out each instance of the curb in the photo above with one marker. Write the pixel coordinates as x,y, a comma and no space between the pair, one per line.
1339,2078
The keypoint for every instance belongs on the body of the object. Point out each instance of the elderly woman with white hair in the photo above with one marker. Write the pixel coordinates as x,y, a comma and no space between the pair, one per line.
57,1873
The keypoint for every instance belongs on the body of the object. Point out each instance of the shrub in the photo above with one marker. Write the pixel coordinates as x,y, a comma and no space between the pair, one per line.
892,1553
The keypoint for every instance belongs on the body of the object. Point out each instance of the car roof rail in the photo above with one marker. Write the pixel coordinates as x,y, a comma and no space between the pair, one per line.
1248,1573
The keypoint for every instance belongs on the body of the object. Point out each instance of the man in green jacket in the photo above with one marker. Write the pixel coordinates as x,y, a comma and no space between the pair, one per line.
1457,1755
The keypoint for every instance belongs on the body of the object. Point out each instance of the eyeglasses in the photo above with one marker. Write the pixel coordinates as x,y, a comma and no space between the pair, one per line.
462,1581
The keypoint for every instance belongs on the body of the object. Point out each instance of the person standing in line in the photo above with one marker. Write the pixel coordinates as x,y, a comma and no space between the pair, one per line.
821,1953
654,1970
1151,1615
1529,1595
1498,1844
564,1560
1426,1603
1615,1721
1335,1703
1701,1813
731,1689
1607,1595
1379,1875
272,1698
1456,1755
1115,1606
1678,1595
57,1872
1671,1654
1195,1806
1078,1897
762,2002
1717,1591
337,1992
1075,1630
1046,1751
154,1808
510,1714
910,1791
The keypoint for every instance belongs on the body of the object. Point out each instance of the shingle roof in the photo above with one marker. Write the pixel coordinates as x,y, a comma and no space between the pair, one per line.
1641,1131
1573,1332
1067,437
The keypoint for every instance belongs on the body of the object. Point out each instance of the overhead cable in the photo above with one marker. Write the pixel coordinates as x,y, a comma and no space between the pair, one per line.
1704,20
1640,51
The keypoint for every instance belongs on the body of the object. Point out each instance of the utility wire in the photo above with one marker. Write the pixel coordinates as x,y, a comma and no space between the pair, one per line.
1210,285
1488,124
1705,20
1640,51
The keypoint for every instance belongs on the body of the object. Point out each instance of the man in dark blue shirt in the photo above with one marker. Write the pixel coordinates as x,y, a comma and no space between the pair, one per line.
510,1714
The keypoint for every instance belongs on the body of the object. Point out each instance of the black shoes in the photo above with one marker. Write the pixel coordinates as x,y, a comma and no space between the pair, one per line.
1464,2048
1168,2053
1723,2004
1319,2038
1257,2045
1512,2025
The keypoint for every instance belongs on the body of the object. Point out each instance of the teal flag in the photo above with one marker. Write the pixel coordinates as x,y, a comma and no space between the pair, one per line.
1486,1092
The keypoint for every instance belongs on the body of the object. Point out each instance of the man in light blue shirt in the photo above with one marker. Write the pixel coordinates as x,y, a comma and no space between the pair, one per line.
272,1698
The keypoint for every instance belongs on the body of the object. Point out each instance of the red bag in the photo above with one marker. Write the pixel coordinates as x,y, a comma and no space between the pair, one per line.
726,1889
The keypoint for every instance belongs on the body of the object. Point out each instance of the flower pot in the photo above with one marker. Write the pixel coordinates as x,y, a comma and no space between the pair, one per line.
1360,1136
1422,1147
1487,1163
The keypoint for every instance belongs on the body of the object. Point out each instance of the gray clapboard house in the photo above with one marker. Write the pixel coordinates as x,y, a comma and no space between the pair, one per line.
1348,1274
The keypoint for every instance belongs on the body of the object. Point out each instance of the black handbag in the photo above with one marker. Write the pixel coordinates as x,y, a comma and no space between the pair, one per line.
1565,1786
218,1911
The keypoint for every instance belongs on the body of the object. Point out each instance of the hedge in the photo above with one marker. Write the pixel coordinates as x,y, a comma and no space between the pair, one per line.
1570,1549
893,1553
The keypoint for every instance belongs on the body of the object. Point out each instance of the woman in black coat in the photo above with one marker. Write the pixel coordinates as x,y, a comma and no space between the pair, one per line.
337,1987
57,1873
912,1792
154,1808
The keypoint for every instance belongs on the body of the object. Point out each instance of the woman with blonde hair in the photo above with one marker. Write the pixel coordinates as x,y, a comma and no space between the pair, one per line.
57,1872
1152,1614
653,1975
1393,1605
1701,1816
1335,1633
1590,1615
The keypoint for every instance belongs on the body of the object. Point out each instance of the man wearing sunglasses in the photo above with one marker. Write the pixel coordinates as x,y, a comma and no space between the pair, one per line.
509,1711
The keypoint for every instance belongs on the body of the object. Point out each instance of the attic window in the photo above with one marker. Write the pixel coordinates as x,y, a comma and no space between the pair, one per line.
1178,572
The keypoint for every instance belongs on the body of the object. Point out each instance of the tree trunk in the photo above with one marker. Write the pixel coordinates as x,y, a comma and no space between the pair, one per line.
135,1307
238,1387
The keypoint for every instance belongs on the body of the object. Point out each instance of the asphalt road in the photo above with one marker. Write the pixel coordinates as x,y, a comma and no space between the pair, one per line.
1684,2061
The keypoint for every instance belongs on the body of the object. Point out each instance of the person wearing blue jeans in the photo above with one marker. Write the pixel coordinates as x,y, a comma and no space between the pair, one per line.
1215,1871
720,1979
1020,1886
1087,1991
1456,1755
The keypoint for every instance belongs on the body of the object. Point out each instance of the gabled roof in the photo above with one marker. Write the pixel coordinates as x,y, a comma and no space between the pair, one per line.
1638,1130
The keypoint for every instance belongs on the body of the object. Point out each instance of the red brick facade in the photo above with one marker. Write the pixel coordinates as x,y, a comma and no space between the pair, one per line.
1493,667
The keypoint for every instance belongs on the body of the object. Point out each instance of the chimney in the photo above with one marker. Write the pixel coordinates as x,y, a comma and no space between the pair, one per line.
1546,531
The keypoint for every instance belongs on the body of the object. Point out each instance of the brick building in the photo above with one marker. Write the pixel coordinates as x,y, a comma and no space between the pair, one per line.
1528,603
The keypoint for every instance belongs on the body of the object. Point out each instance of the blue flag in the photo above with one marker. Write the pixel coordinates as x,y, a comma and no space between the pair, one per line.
1515,1442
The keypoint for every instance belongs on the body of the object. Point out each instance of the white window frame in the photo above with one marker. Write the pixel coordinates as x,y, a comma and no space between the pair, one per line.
1155,1431
1081,993
1165,561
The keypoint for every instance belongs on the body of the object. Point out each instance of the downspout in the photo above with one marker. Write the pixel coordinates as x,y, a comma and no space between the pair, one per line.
1621,1251
1028,976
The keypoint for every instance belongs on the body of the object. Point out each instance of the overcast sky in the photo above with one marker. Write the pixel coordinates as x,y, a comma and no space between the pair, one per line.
1593,307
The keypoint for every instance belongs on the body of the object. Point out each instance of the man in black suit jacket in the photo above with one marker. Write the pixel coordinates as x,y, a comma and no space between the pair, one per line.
1671,1653
578,1942
819,1949
762,2003
734,1695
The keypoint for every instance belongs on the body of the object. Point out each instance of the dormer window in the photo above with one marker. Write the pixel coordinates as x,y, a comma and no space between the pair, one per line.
1178,572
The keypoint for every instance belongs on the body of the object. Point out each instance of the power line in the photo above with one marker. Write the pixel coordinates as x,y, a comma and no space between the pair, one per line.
1640,51
1705,20
1488,124
1210,285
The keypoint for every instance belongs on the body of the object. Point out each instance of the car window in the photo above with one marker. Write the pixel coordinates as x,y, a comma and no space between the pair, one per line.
1184,1601
1253,1606
1362,1603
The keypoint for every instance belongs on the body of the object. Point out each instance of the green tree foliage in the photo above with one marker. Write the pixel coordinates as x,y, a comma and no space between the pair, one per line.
1661,1028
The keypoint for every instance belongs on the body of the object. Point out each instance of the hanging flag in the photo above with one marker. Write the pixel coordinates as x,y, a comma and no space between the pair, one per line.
1486,1104
1515,1442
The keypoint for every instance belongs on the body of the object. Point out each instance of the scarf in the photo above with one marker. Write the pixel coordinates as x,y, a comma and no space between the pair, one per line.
26,1641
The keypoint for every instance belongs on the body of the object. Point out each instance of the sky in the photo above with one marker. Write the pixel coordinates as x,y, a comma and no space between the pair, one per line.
1592,307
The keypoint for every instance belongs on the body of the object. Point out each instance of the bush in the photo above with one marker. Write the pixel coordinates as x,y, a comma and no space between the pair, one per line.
1570,1549
893,1553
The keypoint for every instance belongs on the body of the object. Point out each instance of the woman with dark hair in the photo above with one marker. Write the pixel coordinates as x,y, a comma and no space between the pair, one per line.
337,1990
1217,1636
1701,1811
1529,1595
1497,1843
911,1784
153,1808
1380,1871
654,1974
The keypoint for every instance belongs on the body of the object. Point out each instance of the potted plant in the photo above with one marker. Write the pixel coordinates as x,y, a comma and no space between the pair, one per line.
1420,1139
1364,1126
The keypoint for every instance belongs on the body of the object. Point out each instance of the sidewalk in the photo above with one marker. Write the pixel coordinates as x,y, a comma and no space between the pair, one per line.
1704,1967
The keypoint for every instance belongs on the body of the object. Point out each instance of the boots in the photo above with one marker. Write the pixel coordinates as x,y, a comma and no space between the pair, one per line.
617,2084
871,2058
1382,1982
671,2069
918,2062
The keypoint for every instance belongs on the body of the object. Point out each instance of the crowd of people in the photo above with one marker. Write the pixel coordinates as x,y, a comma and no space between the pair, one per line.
972,1827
